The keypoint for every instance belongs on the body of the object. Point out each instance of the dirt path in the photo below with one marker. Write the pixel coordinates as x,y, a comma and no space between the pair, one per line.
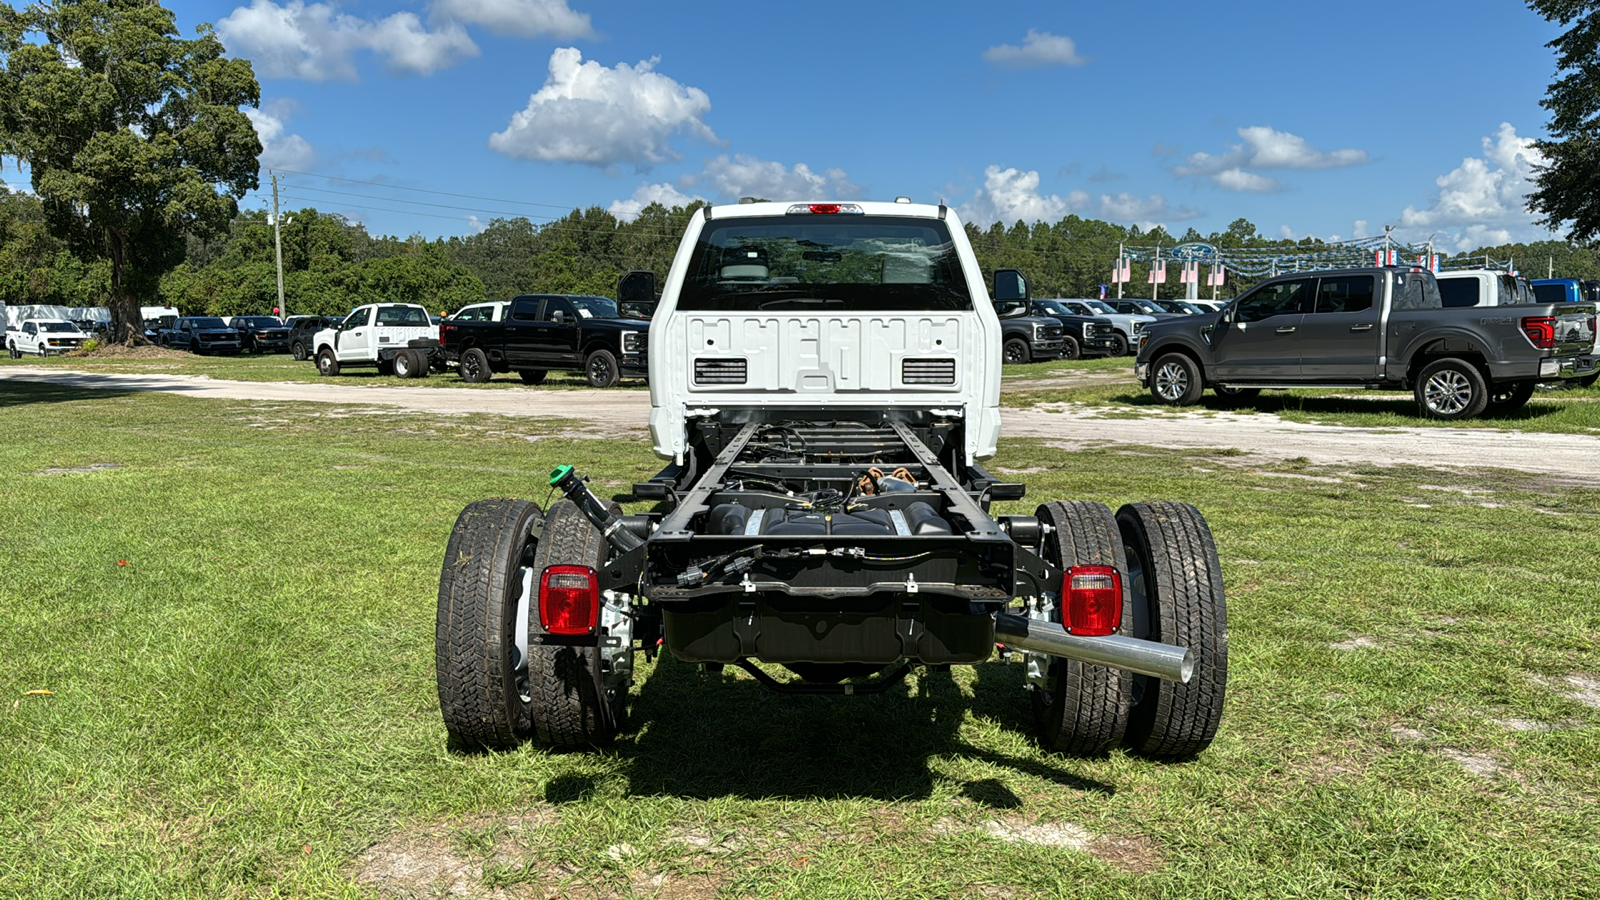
1574,458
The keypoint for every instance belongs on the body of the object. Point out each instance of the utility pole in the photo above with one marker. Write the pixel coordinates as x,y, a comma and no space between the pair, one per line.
1121,255
1550,269
1153,286
277,240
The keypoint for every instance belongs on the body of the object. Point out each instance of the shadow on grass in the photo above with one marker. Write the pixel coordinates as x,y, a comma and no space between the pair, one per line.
698,735
1279,402
23,393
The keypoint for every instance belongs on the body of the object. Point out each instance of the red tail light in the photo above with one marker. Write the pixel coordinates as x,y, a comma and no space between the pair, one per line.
1093,598
1541,330
569,599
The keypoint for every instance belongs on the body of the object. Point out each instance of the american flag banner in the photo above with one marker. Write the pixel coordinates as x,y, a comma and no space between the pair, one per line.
1216,276
1121,270
1158,272
1386,257
1103,288
1190,273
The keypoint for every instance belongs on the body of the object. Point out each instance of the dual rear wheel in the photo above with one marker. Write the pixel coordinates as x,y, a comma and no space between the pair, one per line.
498,686
1172,594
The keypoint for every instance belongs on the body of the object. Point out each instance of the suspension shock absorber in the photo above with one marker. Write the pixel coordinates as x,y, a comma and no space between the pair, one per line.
570,483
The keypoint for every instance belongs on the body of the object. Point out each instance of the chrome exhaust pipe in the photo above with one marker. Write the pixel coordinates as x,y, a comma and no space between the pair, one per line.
1114,651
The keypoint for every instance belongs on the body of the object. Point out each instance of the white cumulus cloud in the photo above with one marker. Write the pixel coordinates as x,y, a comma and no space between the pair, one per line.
1039,49
1146,212
1009,195
279,150
521,18
317,42
664,194
587,113
731,177
1485,197
1263,148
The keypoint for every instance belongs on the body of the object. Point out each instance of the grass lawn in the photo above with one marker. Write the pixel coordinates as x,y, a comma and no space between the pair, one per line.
282,367
231,604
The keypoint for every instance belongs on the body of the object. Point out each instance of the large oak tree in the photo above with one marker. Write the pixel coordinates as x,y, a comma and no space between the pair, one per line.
1569,183
133,135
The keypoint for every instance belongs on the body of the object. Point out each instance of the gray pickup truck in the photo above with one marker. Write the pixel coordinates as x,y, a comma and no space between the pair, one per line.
1384,328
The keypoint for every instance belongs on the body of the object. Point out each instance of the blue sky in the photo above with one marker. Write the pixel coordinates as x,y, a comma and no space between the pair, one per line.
1308,119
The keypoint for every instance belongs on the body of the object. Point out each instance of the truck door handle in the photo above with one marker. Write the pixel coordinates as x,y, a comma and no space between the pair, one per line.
1367,327
1287,329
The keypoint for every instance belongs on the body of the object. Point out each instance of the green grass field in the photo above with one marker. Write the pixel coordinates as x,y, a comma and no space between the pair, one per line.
282,367
231,605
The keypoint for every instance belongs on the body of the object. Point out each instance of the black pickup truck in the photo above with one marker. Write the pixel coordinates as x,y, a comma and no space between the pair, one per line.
1081,335
1384,328
201,334
540,332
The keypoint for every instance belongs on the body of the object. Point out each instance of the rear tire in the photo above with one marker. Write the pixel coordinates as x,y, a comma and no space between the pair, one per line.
1175,380
570,705
1177,598
483,693
1236,395
404,365
474,366
601,367
533,376
1084,711
1510,396
327,363
1451,389
12,351
422,366
298,351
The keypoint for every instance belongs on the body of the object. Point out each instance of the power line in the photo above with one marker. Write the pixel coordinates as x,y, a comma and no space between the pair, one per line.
398,187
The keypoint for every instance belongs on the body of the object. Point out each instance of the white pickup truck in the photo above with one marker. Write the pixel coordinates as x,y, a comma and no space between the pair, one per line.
397,338
43,337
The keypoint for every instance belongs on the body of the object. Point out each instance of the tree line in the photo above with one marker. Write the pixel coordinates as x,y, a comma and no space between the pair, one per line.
331,264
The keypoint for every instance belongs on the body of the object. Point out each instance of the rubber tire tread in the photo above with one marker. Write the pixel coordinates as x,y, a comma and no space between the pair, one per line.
1480,389
1504,399
1086,712
331,368
473,631
1189,609
614,370
1010,345
1191,394
569,710
484,372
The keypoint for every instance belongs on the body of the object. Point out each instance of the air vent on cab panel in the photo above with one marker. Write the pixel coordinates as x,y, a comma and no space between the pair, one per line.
721,371
928,371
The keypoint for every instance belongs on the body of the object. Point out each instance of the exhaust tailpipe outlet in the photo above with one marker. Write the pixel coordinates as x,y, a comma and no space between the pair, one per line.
1162,661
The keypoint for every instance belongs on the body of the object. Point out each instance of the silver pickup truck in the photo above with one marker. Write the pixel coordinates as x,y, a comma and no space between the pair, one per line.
1384,328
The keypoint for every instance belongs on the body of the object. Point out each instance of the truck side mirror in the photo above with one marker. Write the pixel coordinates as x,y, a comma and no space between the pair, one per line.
1011,294
558,317
636,293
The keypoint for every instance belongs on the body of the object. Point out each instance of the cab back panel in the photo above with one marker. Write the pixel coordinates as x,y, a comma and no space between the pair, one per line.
746,353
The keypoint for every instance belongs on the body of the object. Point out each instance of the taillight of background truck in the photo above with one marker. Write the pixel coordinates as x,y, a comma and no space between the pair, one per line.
1541,331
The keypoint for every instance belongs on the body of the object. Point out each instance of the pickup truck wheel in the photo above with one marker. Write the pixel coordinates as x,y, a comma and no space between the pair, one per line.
1236,394
298,351
1016,351
1451,389
420,358
570,704
1177,598
1080,709
11,349
482,677
601,367
404,365
1070,348
474,366
533,376
1175,380
327,363
1119,345
1509,396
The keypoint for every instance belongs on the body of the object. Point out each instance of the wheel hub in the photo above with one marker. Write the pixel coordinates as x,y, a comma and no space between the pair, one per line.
1447,392
1171,381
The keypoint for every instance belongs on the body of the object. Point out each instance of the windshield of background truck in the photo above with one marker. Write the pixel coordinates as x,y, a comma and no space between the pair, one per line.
1055,308
595,307
57,327
820,262
207,322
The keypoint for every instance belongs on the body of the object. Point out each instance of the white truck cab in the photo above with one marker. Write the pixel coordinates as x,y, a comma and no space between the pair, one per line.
775,308
397,336
43,337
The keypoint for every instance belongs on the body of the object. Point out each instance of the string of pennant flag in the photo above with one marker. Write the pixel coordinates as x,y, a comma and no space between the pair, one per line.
1260,262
